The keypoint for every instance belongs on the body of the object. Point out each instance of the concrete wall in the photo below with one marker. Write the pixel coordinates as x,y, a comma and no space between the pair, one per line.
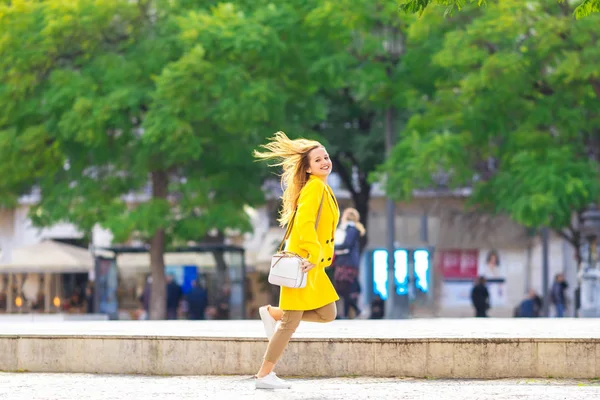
420,358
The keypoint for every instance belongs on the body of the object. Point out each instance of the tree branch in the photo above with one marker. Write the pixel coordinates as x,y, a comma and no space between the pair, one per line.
491,47
563,234
543,88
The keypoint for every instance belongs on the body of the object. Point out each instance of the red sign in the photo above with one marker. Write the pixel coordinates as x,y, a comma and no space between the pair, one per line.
459,264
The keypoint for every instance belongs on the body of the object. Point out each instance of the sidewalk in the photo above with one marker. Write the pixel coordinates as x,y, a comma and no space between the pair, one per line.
29,386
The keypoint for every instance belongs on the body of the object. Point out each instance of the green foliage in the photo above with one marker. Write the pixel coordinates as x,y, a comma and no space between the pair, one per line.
98,98
516,117
357,76
584,9
419,6
141,116
360,75
97,95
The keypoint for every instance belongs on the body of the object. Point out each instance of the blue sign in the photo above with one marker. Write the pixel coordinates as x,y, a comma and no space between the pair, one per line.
421,265
422,270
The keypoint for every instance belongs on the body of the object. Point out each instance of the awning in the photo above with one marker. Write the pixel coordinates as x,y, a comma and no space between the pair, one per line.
48,256
141,261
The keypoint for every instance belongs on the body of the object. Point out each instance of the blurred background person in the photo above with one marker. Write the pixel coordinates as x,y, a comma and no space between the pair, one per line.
531,307
557,295
347,261
480,297
377,308
89,298
173,297
222,311
197,300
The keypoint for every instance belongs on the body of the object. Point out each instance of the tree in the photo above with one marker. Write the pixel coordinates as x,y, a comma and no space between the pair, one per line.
516,119
368,60
355,75
585,8
119,114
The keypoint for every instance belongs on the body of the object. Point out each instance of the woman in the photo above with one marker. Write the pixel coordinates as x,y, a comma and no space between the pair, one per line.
306,166
492,266
347,260
494,274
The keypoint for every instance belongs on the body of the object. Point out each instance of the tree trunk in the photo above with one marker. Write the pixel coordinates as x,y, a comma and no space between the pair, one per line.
221,271
361,203
158,290
221,265
360,198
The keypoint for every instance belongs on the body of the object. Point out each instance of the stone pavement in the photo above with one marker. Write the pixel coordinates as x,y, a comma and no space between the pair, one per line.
29,386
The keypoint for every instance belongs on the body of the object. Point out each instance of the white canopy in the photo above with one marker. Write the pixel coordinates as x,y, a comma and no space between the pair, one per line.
49,256
141,261
57,257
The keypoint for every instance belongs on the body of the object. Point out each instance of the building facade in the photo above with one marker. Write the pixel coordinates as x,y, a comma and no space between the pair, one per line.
460,245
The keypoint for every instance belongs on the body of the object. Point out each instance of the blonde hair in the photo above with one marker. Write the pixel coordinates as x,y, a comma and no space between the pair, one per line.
352,214
292,156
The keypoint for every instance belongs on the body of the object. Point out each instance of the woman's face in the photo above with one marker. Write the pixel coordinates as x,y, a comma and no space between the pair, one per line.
319,162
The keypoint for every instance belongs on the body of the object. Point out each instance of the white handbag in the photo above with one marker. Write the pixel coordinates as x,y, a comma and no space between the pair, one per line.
286,267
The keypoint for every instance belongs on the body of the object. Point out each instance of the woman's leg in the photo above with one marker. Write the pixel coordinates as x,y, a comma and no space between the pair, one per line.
279,341
327,313
289,323
276,312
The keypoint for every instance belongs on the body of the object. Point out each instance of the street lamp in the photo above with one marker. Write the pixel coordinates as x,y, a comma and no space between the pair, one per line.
393,44
590,270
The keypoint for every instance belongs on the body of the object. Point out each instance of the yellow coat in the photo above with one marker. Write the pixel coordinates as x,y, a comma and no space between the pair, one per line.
316,246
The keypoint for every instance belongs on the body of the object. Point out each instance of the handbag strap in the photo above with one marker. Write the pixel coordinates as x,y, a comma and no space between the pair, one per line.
288,231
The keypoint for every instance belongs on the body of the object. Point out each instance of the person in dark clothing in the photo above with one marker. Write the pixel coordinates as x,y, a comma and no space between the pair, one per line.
557,295
145,297
577,296
480,297
351,301
173,297
377,308
531,306
222,312
89,299
347,259
197,301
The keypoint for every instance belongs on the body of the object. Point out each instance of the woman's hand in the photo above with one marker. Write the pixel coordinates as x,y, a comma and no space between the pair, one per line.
307,266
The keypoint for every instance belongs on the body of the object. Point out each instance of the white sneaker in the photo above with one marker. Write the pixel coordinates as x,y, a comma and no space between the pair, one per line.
268,321
271,381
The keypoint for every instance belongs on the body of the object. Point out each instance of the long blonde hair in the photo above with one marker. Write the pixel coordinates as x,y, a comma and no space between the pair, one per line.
352,214
292,156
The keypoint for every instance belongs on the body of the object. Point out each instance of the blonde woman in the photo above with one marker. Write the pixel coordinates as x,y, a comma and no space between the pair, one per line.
306,166
347,261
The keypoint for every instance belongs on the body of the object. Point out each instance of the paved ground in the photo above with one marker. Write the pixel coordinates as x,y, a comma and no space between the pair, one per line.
114,387
585,328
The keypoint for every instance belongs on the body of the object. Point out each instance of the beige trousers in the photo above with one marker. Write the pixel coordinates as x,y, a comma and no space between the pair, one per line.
290,321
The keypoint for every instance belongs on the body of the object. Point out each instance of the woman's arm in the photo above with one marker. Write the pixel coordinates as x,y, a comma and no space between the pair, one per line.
351,237
306,218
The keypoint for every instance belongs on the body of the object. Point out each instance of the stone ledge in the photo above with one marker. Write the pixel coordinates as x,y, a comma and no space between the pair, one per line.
443,358
433,348
473,340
